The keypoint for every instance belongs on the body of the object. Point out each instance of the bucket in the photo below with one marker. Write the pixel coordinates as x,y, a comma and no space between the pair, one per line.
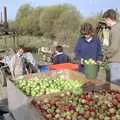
44,68
91,71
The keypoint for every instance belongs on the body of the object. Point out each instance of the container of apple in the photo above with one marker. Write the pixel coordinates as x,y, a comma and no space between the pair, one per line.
100,105
59,99
38,86
90,69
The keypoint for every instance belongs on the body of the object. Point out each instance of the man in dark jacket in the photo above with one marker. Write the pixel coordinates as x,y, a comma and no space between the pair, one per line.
110,17
59,56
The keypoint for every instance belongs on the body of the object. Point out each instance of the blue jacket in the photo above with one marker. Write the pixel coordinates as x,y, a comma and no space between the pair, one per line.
61,58
88,50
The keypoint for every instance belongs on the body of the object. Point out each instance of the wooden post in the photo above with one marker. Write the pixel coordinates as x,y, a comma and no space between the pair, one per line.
5,41
17,39
5,17
14,42
1,17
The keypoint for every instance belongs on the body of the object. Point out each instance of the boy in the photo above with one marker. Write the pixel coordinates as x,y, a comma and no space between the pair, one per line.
110,17
59,56
88,46
17,64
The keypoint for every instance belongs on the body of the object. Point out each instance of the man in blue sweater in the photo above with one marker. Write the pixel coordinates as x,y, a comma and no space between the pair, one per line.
88,46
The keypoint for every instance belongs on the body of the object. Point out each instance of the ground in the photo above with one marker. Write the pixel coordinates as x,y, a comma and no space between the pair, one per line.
4,103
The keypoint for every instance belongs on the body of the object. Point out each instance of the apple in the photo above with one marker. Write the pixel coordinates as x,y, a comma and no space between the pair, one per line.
90,61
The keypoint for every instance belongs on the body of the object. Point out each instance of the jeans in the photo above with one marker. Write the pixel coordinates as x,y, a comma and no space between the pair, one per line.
81,68
115,72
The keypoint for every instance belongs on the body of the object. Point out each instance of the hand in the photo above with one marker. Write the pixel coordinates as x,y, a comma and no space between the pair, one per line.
99,62
82,61
13,77
73,55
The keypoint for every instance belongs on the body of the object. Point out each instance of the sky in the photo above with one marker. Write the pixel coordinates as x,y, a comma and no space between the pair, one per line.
86,7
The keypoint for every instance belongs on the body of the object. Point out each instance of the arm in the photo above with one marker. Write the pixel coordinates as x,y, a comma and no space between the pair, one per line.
56,60
68,59
77,50
115,43
12,66
99,51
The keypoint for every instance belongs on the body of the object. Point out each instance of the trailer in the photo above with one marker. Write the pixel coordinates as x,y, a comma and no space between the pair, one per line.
20,105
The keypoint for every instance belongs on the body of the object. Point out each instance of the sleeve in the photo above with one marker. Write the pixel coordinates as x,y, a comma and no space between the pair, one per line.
99,51
115,44
56,60
68,59
12,65
77,50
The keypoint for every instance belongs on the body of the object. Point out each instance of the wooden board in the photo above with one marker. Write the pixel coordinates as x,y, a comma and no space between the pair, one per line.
19,104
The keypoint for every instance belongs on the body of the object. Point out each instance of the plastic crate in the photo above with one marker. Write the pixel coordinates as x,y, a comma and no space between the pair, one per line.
44,68
65,66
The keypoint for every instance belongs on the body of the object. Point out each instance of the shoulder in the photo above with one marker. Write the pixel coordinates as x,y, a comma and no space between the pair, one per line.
116,28
14,56
81,39
60,55
96,39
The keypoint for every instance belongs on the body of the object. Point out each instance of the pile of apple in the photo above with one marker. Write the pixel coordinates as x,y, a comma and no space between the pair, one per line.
90,61
39,86
102,105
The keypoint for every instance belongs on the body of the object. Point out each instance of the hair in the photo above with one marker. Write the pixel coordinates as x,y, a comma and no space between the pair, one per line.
59,48
110,14
87,29
20,47
26,49
99,26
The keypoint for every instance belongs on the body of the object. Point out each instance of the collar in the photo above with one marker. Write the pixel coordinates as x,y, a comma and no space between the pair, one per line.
89,39
114,24
59,53
19,55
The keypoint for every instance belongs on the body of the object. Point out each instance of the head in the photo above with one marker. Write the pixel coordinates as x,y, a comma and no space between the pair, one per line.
20,50
26,50
87,30
110,17
59,48
100,26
